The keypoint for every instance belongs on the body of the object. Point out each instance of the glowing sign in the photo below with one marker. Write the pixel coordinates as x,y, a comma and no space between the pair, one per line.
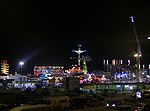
4,67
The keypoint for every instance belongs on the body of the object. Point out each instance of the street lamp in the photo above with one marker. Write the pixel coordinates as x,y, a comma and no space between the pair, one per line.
148,38
137,56
21,64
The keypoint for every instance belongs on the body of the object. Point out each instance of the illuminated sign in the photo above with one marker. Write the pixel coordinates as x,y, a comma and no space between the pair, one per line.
4,67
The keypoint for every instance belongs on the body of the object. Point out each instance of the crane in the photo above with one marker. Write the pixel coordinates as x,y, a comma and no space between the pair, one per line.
138,53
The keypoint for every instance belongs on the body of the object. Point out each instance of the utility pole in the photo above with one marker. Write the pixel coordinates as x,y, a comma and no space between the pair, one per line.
138,53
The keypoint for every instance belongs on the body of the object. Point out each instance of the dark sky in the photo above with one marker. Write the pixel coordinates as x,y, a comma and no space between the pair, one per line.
45,32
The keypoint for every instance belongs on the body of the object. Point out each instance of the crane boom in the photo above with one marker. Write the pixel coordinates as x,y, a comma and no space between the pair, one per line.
136,36
139,53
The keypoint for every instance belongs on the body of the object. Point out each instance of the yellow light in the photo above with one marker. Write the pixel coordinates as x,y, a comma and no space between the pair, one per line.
136,55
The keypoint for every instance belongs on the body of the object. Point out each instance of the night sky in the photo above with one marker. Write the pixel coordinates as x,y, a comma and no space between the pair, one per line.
45,32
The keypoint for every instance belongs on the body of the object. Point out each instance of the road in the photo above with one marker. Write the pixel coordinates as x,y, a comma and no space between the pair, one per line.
103,107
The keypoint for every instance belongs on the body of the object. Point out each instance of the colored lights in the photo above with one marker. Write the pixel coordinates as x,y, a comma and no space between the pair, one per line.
4,67
45,71
137,55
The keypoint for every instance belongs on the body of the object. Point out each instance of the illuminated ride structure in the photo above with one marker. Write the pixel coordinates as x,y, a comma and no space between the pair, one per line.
74,70
125,71
4,68
119,71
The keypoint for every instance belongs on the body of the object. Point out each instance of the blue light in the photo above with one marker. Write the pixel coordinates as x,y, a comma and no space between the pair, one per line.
42,76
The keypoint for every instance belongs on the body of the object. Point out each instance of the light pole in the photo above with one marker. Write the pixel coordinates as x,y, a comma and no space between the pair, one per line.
21,64
137,57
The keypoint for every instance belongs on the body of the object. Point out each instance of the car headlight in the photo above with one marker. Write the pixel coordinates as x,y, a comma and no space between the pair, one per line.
107,104
113,105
